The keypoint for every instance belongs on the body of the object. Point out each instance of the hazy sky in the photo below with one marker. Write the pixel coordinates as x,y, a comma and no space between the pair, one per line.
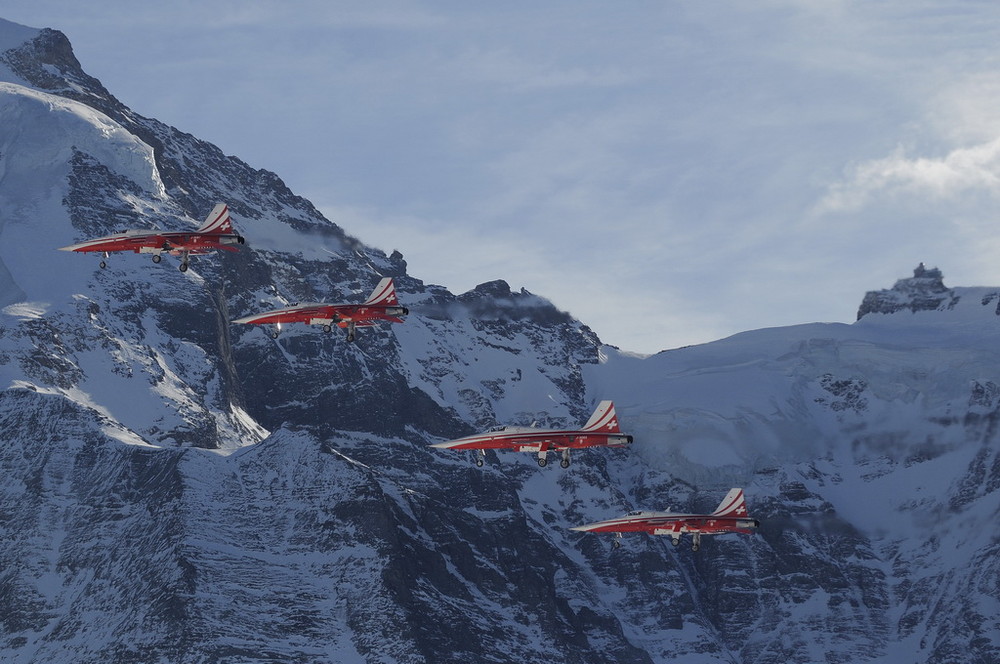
668,172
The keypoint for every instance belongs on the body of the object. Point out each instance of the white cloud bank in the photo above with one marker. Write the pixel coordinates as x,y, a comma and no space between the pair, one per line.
975,168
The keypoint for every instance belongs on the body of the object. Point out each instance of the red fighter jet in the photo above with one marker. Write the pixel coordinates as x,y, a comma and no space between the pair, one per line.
216,233
380,305
730,517
601,430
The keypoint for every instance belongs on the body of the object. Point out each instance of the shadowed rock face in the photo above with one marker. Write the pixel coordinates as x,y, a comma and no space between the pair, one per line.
180,489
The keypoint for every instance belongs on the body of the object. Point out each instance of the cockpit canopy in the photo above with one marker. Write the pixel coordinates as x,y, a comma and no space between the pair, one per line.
496,429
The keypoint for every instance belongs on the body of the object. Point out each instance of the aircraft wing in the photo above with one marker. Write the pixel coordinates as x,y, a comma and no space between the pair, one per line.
129,241
304,313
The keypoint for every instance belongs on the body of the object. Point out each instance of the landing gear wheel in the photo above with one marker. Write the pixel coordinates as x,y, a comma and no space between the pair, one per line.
183,267
350,338
274,335
542,462
675,541
479,461
564,463
103,265
695,547
327,329
157,258
617,544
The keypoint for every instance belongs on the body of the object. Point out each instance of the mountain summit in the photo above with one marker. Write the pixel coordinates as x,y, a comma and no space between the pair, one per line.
924,291
179,489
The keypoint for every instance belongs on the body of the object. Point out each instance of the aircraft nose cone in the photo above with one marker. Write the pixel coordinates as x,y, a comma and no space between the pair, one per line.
586,528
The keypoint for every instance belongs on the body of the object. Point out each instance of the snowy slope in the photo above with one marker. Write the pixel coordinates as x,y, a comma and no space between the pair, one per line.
179,489
886,426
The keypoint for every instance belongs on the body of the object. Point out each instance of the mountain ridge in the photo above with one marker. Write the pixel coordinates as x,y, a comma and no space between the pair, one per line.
183,490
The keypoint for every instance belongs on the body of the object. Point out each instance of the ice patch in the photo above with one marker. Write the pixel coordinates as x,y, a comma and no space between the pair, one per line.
26,310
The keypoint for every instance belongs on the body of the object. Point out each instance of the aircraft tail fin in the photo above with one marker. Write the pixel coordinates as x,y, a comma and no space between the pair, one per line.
734,504
384,293
604,419
218,221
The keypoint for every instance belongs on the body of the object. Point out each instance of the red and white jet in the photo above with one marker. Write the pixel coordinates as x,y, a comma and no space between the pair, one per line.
216,233
730,517
601,430
382,304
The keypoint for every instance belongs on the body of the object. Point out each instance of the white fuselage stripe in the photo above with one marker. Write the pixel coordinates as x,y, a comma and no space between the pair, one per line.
527,438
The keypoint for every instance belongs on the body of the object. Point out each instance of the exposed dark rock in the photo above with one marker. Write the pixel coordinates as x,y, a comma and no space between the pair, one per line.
924,291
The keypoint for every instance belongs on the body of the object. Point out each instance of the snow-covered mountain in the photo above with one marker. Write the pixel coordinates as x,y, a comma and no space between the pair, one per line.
179,489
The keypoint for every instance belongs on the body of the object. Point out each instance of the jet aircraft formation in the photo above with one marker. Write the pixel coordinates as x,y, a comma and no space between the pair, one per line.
601,430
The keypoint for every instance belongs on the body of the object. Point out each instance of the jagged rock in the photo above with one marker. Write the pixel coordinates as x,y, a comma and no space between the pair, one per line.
179,489
924,291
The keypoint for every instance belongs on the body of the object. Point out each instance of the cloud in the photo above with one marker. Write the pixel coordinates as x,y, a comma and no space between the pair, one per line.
640,312
667,172
975,168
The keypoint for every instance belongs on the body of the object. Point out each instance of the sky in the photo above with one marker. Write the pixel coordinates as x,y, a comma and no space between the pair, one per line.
668,172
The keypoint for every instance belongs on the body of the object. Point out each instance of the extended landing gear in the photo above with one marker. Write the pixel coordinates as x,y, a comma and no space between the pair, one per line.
565,459
616,543
276,330
184,261
350,332
157,258
103,262
481,458
695,541
543,458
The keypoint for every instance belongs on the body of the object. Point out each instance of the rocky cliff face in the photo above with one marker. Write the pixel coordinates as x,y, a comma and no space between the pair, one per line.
179,489
924,291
